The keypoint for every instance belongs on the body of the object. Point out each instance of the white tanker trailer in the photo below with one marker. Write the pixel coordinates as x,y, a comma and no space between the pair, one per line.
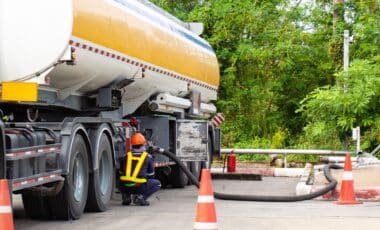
78,77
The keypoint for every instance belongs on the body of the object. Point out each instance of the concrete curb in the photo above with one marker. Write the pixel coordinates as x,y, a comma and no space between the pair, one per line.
362,194
236,176
268,172
366,183
302,187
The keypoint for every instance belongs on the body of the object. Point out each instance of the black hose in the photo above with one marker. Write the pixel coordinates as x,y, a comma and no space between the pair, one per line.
224,196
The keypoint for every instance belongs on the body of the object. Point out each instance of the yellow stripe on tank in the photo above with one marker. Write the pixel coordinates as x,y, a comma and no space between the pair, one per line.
100,22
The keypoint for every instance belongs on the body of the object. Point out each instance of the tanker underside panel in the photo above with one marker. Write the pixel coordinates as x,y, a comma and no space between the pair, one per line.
98,67
187,138
159,131
192,139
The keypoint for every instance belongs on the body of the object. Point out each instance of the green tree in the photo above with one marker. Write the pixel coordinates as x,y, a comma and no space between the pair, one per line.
280,55
268,64
332,111
339,108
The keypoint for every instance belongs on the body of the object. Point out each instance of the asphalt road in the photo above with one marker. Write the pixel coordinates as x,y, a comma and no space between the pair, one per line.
175,209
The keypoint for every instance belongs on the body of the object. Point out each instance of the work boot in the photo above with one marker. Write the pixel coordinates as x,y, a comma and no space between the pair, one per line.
139,200
126,199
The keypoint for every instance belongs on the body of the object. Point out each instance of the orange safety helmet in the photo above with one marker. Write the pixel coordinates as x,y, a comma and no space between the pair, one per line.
138,139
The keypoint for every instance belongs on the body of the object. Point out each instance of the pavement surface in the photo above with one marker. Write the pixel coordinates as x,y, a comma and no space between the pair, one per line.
175,209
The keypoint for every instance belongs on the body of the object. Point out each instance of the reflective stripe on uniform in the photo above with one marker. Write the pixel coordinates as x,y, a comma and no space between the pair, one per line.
133,176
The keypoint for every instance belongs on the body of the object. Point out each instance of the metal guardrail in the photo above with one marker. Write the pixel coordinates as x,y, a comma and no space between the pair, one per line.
285,152
377,149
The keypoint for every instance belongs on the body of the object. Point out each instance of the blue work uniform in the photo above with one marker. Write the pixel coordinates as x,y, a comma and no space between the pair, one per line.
147,171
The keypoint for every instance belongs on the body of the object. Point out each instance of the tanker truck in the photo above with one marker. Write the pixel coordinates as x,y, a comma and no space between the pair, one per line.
78,78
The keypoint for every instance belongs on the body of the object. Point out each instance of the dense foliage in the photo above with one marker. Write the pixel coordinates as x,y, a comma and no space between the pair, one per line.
282,83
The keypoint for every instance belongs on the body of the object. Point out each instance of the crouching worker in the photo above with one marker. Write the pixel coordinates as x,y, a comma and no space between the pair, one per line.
138,183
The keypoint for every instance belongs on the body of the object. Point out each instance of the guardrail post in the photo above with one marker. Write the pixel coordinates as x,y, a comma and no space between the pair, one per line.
285,161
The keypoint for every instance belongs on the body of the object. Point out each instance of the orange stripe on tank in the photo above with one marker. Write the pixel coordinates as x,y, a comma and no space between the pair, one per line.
104,24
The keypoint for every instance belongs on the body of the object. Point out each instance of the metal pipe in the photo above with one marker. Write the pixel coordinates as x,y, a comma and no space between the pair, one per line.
285,151
346,47
375,150
336,159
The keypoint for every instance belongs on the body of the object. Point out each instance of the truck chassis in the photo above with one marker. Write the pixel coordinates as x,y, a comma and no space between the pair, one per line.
64,168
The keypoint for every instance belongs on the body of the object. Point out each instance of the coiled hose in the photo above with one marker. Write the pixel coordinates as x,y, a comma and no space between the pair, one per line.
240,197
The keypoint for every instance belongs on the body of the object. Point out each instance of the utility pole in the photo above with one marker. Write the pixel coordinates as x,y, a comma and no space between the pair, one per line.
346,63
356,137
346,56
346,60
338,13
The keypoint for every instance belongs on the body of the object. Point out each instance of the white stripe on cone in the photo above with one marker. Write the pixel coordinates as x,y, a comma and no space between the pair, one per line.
347,175
199,225
5,210
205,199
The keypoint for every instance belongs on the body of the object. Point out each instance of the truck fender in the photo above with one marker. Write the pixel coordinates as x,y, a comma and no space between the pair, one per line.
67,142
211,135
214,134
95,135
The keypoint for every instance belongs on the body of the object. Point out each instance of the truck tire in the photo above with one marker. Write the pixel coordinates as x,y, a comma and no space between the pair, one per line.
101,180
71,200
178,178
36,207
163,177
210,148
196,168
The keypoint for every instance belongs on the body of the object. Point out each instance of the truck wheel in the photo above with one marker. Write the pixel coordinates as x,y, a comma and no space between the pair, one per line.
196,168
36,207
162,176
101,181
177,177
71,200
210,148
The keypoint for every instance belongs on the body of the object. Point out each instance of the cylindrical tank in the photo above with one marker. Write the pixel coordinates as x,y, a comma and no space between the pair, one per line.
33,35
113,40
231,162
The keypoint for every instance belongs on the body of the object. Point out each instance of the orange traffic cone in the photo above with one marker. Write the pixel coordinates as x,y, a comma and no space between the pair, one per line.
347,192
6,217
206,215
